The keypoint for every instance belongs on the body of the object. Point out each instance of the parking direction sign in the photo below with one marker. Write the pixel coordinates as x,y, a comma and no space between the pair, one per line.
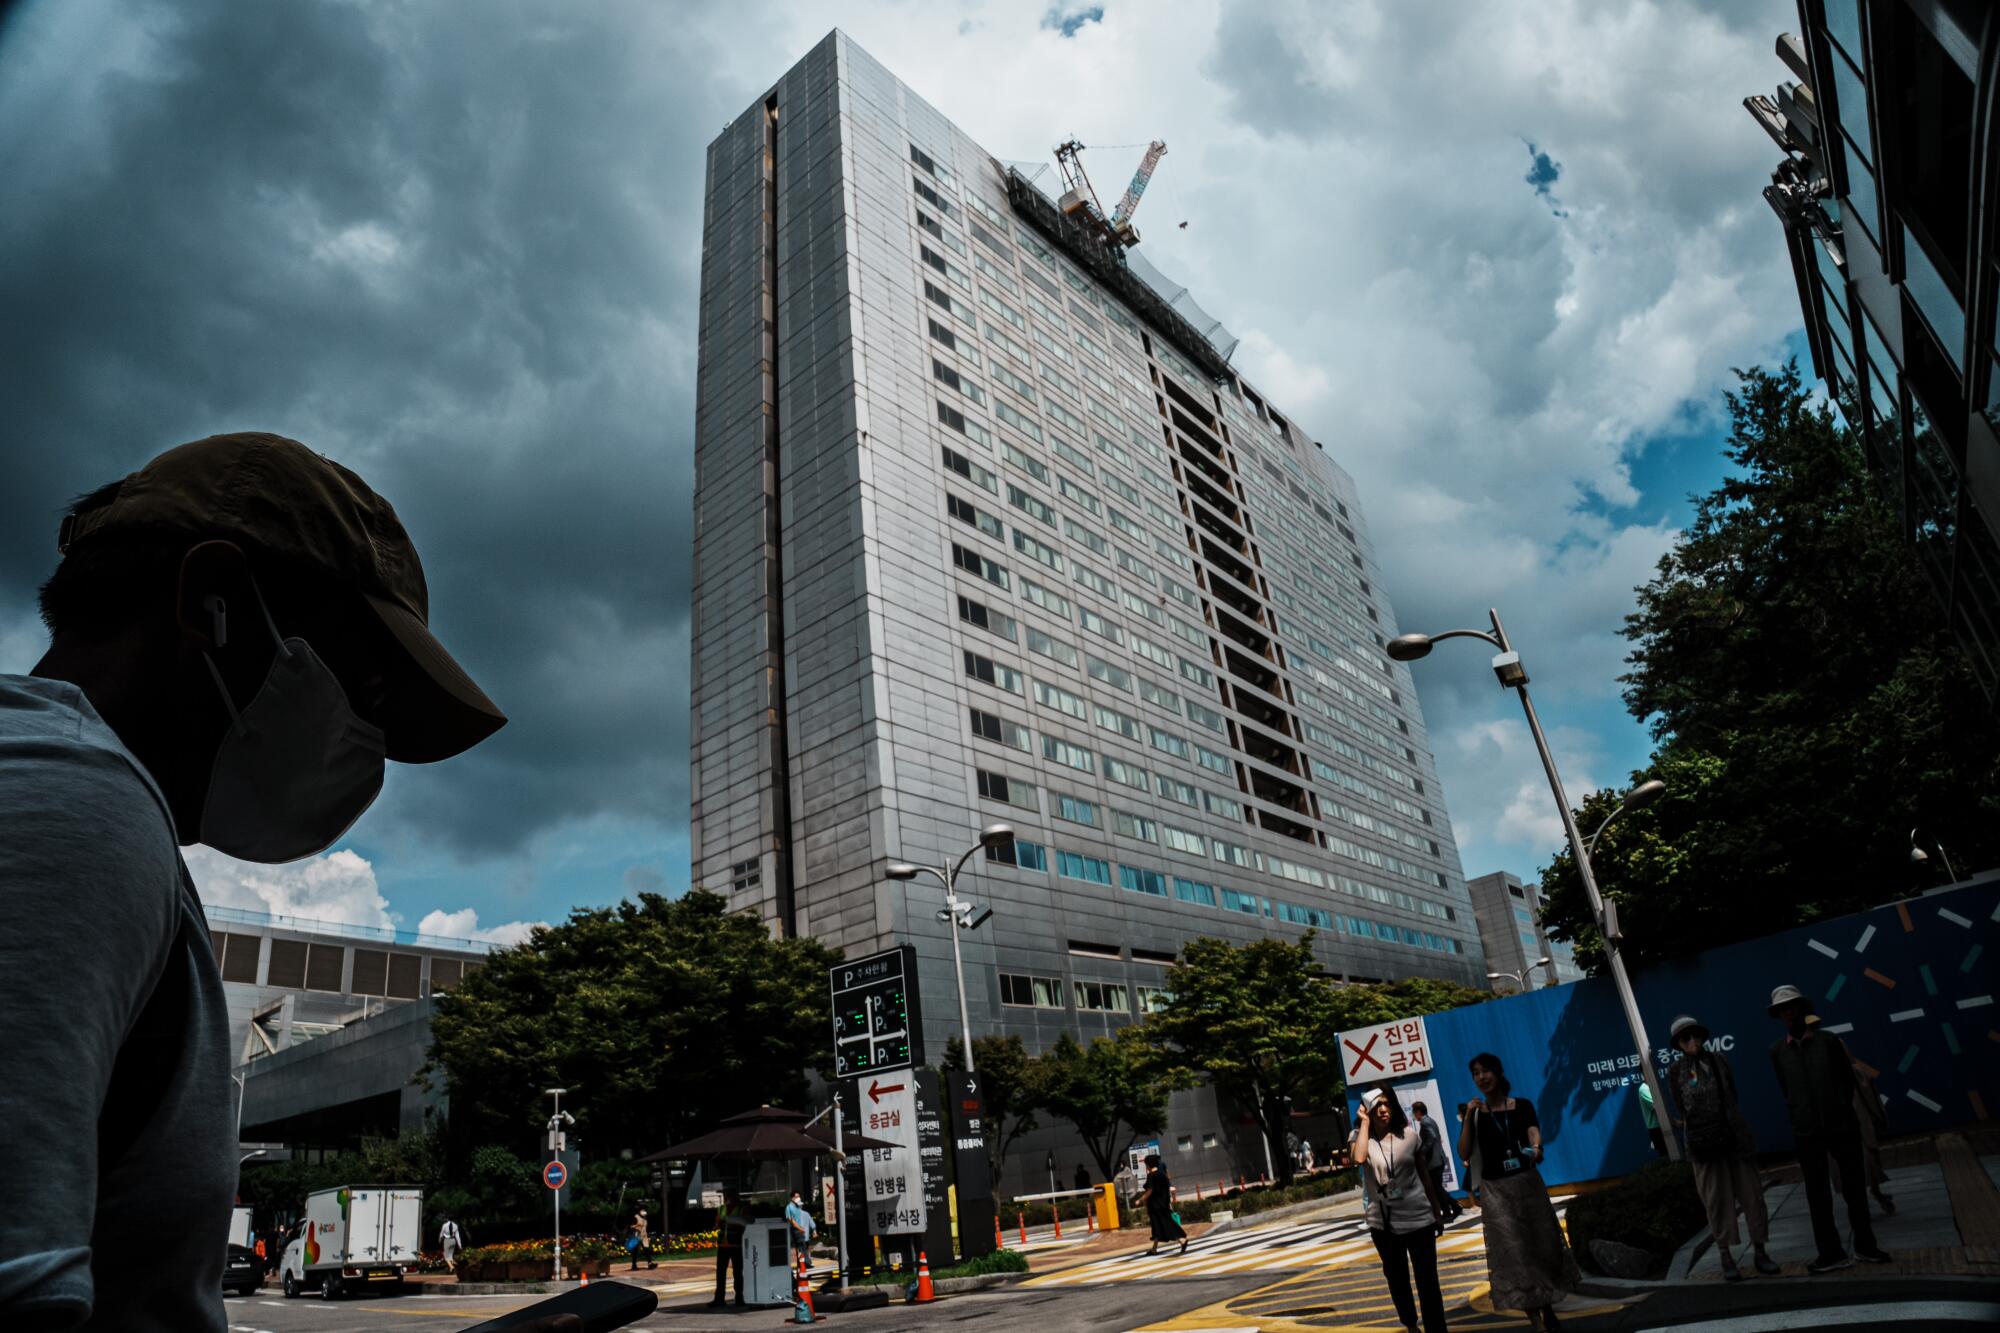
893,1178
877,1028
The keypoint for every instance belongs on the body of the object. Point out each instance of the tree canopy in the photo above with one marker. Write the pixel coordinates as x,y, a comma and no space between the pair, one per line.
1010,1083
1808,701
660,1016
1253,1021
1112,1091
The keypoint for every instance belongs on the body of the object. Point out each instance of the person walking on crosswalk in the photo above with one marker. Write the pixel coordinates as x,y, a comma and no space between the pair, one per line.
1401,1206
1528,1262
1158,1200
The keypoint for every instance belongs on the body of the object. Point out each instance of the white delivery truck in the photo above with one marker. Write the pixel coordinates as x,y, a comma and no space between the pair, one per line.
354,1235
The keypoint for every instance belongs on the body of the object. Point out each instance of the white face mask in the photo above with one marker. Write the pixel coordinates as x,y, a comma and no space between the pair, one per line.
297,766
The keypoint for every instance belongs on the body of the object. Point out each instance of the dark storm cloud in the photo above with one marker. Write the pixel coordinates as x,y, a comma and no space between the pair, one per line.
458,256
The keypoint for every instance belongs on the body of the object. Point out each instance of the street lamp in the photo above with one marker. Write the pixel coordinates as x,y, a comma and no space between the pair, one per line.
1513,675
1918,855
259,1152
1520,979
558,1140
959,914
1642,795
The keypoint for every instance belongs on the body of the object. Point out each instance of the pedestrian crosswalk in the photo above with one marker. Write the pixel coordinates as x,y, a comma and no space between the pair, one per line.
1261,1249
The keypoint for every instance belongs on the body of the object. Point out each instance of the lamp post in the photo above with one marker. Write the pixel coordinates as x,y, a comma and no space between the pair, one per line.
1918,855
959,914
558,1140
1520,979
1514,676
1642,795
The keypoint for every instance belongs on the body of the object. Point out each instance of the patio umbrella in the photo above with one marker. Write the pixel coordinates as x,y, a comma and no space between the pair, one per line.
767,1134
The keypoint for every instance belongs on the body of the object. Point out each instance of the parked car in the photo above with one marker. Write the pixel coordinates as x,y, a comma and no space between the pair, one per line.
242,1271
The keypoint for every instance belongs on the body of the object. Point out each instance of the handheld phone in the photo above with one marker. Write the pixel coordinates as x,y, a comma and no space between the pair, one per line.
602,1306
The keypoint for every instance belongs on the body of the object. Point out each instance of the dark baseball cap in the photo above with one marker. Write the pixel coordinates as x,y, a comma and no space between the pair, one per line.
282,499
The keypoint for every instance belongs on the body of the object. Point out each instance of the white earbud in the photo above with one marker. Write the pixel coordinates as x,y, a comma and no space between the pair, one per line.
218,610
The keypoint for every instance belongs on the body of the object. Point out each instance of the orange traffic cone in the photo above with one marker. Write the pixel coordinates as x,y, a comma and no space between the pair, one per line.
1055,1215
1021,1220
925,1292
803,1311
583,1278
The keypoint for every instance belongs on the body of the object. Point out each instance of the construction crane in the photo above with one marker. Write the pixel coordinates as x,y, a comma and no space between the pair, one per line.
1080,203
1121,216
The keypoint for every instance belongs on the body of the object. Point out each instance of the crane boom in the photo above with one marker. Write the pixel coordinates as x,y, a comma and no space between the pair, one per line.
1130,203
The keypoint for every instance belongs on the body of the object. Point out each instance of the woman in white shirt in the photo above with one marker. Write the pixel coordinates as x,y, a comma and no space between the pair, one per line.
1400,1203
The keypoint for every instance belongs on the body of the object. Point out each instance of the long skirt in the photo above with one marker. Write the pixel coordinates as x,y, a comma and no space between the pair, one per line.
1163,1224
1528,1262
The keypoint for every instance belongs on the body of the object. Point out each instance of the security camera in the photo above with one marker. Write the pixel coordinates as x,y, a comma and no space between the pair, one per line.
979,918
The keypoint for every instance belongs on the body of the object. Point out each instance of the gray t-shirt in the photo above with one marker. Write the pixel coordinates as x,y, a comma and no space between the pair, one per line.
113,1038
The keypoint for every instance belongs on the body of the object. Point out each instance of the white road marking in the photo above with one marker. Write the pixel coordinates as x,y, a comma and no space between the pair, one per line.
1866,936
1953,917
1923,1101
1826,949
1905,1015
1975,1002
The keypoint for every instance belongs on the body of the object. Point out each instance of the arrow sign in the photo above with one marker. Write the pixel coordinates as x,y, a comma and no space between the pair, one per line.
876,1091
555,1175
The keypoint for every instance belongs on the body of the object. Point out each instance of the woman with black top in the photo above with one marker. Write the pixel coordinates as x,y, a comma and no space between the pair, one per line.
1158,1200
1402,1206
1528,1263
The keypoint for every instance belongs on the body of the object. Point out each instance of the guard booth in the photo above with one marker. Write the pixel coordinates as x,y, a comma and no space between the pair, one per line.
770,1272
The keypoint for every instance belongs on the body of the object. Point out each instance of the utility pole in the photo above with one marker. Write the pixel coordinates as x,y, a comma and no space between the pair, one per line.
557,1141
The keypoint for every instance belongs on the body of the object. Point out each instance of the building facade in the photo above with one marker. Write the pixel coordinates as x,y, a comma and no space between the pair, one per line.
330,1022
988,531
1510,930
1890,197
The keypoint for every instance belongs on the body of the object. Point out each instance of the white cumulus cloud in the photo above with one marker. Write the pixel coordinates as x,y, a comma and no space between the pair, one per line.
464,925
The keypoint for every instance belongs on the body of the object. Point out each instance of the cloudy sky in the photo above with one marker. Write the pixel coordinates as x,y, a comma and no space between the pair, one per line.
1499,258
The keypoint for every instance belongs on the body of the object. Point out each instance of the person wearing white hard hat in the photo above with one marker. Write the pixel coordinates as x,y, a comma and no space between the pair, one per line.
1816,1074
1701,1087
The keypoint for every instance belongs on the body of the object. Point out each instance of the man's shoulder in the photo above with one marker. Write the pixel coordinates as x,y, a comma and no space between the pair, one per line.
85,823
53,742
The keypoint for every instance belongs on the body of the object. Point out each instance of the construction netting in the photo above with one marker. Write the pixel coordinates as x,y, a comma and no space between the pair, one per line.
1042,176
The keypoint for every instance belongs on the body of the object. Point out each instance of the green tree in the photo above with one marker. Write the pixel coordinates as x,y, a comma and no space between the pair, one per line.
661,1016
1112,1091
1009,1081
1808,701
1255,1022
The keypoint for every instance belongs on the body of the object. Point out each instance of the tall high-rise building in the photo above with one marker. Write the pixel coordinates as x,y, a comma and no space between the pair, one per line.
988,529
1890,197
1510,930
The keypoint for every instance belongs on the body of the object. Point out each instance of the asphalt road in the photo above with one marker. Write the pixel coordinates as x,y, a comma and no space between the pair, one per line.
1110,1309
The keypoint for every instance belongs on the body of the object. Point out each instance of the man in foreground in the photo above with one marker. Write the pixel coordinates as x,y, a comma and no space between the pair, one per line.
239,639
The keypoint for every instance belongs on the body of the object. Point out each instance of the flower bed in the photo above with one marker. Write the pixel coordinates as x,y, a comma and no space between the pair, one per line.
534,1260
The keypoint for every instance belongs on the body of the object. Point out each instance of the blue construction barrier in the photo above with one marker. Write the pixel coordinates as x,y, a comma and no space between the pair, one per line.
1908,987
